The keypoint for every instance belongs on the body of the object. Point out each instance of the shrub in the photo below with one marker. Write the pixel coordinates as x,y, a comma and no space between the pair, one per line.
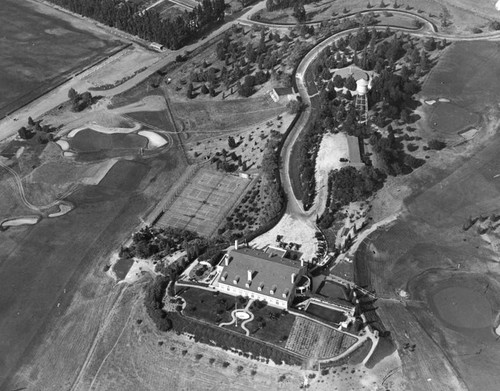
412,147
436,144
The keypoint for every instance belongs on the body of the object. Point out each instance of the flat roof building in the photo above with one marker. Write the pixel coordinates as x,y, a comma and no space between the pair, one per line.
259,275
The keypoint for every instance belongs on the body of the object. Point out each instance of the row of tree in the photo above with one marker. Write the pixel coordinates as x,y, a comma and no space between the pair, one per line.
149,25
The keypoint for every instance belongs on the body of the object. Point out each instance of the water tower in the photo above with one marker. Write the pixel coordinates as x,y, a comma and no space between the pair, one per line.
361,101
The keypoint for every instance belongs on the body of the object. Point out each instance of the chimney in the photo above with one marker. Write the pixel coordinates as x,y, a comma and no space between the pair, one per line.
226,259
301,262
249,275
293,278
236,244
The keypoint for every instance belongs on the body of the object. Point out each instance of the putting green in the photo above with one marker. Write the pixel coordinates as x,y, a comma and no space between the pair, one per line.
462,307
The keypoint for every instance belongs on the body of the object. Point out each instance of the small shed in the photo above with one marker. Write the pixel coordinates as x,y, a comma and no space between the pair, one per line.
277,93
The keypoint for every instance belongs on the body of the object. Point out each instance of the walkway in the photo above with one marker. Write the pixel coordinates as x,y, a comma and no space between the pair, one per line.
245,319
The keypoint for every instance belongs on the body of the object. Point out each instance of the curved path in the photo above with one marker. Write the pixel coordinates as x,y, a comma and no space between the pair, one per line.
246,19
22,194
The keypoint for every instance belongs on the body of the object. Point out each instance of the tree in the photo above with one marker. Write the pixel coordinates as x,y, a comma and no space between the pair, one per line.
436,144
31,122
293,106
23,133
430,44
72,94
232,144
204,89
189,92
351,83
445,17
338,81
299,12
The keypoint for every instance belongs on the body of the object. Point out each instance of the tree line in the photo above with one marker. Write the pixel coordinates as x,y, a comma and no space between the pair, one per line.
149,25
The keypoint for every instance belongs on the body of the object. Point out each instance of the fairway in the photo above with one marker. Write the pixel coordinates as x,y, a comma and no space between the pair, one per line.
462,307
204,202
467,74
40,48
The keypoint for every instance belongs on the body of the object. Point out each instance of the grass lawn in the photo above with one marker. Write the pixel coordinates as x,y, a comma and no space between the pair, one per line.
271,324
211,307
467,73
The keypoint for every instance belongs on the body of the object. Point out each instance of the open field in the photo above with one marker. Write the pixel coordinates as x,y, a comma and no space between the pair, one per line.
167,361
204,202
467,75
131,354
201,120
47,264
449,274
427,254
41,47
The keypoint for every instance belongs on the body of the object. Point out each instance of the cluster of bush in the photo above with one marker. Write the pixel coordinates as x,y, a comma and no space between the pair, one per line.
271,192
307,161
349,185
391,152
80,102
229,162
42,134
153,301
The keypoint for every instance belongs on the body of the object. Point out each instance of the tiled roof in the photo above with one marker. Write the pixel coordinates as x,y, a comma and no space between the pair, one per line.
283,91
269,272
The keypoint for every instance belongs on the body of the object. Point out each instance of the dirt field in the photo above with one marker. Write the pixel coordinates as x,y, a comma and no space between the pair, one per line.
204,202
210,119
39,49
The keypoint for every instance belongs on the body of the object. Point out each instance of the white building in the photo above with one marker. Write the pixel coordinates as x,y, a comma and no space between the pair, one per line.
259,275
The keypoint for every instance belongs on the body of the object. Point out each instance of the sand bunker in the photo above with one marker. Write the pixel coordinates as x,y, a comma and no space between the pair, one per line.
154,139
63,144
462,307
102,129
16,222
64,207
